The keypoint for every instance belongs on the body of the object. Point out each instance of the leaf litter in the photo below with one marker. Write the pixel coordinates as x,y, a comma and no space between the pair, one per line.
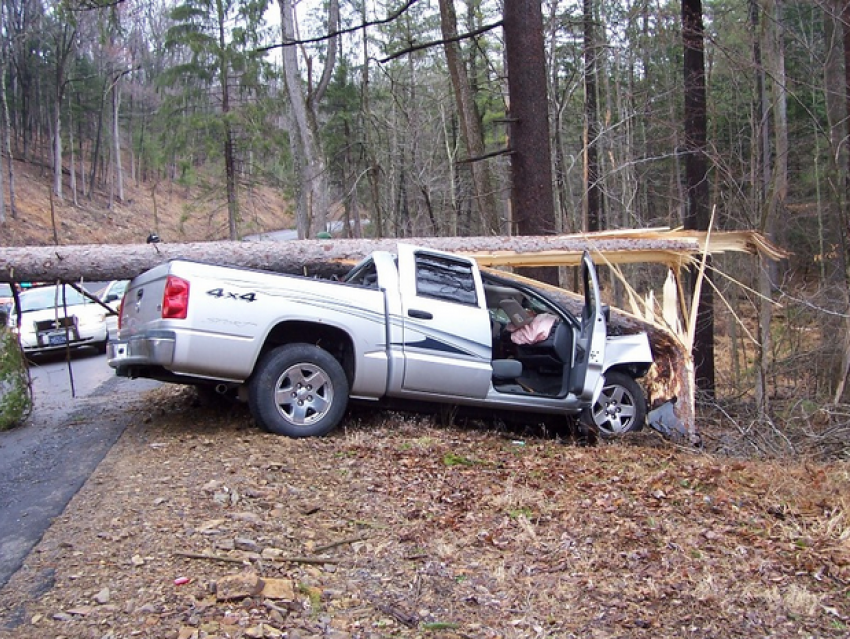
199,525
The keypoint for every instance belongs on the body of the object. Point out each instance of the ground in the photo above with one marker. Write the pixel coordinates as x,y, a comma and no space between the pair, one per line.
198,524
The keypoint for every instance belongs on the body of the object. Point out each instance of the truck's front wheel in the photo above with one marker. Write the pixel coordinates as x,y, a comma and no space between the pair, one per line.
298,390
620,408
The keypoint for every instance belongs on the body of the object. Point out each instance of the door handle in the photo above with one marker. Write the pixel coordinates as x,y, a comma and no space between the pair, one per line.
419,314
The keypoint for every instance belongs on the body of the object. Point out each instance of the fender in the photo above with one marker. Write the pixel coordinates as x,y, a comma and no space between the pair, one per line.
627,349
624,349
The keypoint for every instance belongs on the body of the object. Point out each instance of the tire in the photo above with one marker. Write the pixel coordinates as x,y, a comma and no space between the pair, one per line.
298,390
620,408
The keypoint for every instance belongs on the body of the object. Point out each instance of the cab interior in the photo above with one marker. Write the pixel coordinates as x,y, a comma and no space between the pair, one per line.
541,367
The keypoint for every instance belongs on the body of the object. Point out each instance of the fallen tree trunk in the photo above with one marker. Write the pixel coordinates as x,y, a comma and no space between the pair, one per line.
322,257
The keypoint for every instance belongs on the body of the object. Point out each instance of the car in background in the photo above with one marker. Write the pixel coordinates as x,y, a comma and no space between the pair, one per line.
56,317
112,295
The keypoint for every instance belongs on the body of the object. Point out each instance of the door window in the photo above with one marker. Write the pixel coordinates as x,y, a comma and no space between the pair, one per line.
445,279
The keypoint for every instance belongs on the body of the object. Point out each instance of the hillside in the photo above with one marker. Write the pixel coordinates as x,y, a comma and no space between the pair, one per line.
175,213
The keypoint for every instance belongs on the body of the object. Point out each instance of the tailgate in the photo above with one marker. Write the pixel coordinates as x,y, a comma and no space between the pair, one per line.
143,301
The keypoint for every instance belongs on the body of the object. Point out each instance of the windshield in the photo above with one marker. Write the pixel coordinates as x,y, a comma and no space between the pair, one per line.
38,299
5,290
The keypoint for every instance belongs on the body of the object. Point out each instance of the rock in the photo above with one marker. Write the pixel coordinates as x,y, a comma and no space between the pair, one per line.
225,544
278,589
243,543
137,560
210,527
275,616
271,553
239,586
102,597
253,518
211,486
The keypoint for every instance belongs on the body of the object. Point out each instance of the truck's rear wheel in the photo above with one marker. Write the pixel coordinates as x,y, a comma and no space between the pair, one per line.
621,407
298,390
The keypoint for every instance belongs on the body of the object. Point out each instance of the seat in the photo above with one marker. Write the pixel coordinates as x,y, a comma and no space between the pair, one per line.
506,369
516,313
551,355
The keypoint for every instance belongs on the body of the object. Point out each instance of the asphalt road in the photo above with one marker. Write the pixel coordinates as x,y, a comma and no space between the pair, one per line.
45,462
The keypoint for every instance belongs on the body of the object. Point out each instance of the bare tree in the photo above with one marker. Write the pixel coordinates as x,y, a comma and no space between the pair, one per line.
313,202
64,39
470,122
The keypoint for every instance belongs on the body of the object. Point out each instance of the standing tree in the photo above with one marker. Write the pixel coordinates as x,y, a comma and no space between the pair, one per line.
697,216
593,188
532,197
312,181
470,123
63,38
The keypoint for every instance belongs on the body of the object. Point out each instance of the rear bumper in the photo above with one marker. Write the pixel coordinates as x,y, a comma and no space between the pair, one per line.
143,350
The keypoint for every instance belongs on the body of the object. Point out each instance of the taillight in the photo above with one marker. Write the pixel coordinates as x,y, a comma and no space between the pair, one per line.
175,300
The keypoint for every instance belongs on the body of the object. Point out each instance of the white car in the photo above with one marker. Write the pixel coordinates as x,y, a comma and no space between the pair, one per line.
112,296
56,317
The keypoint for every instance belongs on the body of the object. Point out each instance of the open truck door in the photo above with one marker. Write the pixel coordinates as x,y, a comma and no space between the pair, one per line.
587,371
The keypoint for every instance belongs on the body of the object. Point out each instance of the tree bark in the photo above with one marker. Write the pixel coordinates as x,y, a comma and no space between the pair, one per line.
532,199
107,262
229,163
313,199
697,215
7,142
593,189
116,138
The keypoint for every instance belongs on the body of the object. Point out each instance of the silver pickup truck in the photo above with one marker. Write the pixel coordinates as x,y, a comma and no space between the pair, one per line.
418,325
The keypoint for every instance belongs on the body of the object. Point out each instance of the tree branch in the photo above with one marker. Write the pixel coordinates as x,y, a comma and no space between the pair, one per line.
333,34
486,156
434,43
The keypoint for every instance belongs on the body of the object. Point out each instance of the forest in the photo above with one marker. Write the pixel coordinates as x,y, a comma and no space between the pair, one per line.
412,118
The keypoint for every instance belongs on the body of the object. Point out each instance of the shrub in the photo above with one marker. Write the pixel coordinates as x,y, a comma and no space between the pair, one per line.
15,391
